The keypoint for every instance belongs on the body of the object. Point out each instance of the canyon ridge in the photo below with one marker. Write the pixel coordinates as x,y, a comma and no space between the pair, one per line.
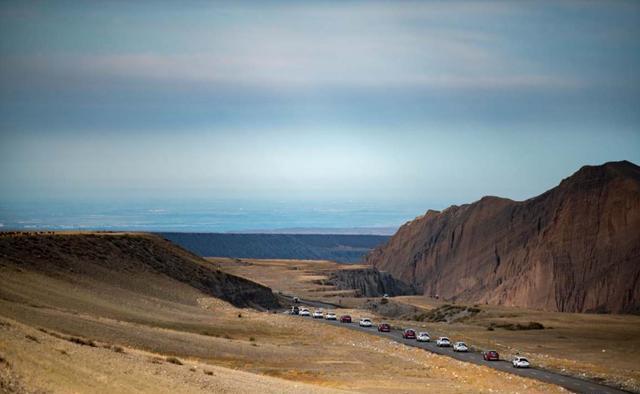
574,248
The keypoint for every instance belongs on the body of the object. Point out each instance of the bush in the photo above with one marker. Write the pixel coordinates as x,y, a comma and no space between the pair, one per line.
174,360
32,338
532,325
82,341
252,339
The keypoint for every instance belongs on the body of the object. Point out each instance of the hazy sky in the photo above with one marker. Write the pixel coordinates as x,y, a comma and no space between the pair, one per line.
428,102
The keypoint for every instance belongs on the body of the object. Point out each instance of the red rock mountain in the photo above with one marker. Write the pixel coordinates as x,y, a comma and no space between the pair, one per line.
575,248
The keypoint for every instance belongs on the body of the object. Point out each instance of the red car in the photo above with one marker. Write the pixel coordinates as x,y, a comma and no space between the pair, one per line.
490,355
409,334
345,319
384,327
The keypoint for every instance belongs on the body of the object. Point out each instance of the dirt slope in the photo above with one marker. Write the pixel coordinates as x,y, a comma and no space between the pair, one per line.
574,248
117,258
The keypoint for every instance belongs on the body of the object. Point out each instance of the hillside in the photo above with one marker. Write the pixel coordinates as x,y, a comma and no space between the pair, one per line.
574,248
113,313
335,247
118,259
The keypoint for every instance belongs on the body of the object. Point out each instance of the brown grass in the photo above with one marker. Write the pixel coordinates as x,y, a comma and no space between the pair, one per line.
603,347
158,319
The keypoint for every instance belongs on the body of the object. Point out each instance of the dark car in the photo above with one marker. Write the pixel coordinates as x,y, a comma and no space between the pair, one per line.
409,334
295,310
384,327
490,355
345,319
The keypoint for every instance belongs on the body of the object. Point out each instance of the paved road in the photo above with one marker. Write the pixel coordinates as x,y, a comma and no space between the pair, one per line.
571,383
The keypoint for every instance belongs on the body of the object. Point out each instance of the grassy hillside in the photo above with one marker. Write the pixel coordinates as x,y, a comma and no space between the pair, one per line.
121,258
340,247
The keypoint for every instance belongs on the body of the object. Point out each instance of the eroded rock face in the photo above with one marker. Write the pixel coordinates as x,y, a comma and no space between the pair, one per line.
369,283
575,248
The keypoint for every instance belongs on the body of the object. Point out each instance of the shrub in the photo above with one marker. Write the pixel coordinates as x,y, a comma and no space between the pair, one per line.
252,339
82,341
32,338
174,360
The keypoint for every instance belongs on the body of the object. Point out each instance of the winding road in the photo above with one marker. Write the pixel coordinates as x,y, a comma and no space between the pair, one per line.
568,382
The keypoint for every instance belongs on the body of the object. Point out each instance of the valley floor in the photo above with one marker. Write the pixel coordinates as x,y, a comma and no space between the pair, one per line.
144,332
604,348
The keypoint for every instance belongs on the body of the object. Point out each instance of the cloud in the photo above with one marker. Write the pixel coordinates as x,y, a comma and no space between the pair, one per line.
415,45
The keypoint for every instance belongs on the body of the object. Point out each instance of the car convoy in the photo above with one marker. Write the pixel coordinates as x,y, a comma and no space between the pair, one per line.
443,342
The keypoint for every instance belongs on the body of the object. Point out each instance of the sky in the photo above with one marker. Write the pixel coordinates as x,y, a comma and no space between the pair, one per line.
399,104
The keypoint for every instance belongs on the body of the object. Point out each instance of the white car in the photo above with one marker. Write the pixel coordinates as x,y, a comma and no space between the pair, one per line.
330,316
304,312
423,337
317,314
443,342
365,322
520,362
460,347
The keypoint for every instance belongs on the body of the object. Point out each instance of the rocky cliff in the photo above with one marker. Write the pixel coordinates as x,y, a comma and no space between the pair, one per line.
575,248
369,282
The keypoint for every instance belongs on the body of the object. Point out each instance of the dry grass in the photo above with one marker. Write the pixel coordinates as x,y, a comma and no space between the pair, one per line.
603,347
300,277
157,319
292,353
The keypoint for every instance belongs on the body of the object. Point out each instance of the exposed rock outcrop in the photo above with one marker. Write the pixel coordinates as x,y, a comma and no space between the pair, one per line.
369,282
575,248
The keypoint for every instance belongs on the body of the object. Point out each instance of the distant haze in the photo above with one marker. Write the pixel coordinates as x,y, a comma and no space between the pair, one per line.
169,116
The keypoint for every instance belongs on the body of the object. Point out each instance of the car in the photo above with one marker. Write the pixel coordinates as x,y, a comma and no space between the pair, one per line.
304,312
384,327
365,322
520,362
345,319
460,347
317,314
423,337
331,316
443,342
409,334
490,355
296,300
295,310
385,296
